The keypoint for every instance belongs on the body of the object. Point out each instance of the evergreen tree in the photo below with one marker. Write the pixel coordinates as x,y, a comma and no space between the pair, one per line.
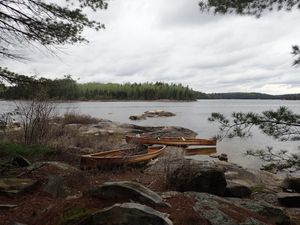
282,124
253,8
23,22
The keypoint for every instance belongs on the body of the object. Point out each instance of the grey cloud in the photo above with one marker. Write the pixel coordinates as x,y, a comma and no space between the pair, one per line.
185,14
171,41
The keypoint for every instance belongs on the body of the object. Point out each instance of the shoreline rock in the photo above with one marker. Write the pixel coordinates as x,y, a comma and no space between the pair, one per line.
152,114
127,214
191,175
110,128
126,189
234,211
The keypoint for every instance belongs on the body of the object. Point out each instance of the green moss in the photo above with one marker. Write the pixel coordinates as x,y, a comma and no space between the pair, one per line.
75,214
12,149
258,189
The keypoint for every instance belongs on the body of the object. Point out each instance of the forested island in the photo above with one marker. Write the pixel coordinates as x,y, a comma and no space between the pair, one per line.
245,95
69,89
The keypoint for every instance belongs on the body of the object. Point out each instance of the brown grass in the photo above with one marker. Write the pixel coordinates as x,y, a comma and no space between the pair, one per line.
76,118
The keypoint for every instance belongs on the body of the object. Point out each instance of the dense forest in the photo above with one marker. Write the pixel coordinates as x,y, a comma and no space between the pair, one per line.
69,89
249,95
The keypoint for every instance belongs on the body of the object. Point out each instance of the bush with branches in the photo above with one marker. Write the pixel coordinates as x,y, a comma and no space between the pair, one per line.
281,124
253,8
45,23
35,117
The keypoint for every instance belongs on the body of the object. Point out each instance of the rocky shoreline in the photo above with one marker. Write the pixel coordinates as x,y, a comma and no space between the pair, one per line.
169,190
152,114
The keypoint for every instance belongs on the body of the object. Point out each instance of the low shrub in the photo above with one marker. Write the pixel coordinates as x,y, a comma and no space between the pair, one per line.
12,149
75,118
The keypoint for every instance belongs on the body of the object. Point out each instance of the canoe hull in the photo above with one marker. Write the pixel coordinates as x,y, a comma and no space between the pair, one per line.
200,151
114,158
170,141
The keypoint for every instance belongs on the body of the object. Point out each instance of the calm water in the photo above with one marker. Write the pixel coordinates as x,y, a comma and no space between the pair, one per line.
192,115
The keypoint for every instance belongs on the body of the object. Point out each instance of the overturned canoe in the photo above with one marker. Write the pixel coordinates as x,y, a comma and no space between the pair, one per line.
119,157
170,141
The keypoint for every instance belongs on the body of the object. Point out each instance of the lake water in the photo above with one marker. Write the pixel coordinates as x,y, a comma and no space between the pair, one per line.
192,115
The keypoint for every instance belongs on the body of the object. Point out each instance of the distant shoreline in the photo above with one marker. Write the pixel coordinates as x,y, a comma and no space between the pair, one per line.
158,100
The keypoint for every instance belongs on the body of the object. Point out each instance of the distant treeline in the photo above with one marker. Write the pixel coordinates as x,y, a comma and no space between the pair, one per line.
246,95
69,89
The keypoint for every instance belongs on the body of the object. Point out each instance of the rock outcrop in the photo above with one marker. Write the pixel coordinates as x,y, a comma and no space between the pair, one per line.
20,161
292,183
13,186
237,191
152,114
109,127
126,190
137,117
158,113
55,186
249,177
127,214
289,199
236,211
191,175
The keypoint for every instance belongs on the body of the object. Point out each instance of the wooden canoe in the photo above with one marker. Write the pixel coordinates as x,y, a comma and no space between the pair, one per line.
200,151
170,141
119,157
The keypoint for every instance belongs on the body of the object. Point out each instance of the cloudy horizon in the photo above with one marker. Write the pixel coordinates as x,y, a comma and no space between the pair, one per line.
173,42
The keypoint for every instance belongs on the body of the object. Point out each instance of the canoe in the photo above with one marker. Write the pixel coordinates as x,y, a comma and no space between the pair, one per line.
200,151
170,141
119,157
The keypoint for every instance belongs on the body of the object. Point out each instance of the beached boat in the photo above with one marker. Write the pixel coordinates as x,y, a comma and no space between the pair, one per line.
170,141
200,151
119,157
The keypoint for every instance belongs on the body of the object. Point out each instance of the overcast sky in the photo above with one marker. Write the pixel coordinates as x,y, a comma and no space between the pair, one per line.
171,41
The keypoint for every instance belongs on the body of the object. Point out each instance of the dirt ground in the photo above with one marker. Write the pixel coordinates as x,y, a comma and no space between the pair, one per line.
37,207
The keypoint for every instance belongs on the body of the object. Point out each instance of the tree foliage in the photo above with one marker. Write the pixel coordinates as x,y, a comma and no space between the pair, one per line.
44,22
25,22
69,89
247,7
252,8
251,95
280,160
296,53
11,77
282,124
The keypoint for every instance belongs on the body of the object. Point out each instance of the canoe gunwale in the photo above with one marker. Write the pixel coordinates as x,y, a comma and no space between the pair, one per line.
90,161
171,141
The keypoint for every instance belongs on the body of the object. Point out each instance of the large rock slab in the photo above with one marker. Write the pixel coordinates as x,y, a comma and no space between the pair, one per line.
53,167
126,190
7,206
191,175
127,214
289,199
249,177
292,183
276,215
152,114
20,161
55,186
237,191
109,127
233,211
137,117
11,186
158,113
